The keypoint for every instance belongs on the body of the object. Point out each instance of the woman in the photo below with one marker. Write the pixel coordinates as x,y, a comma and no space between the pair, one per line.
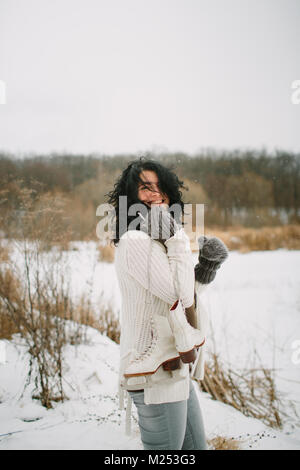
153,274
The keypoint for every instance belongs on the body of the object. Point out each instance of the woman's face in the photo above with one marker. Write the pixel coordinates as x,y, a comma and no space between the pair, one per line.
154,196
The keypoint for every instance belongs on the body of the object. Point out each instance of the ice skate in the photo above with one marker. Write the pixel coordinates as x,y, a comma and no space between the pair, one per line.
187,338
161,352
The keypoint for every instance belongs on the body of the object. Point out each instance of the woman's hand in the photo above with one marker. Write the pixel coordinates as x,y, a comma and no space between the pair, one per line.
159,223
212,253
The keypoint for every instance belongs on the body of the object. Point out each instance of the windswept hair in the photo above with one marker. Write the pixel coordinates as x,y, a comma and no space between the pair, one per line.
127,185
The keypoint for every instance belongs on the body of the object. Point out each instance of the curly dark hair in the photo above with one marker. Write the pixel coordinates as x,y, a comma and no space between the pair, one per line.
127,185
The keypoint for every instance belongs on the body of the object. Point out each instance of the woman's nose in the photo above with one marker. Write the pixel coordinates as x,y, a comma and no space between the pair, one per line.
153,192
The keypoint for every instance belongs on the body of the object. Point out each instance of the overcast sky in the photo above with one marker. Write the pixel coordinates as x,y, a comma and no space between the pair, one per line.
114,76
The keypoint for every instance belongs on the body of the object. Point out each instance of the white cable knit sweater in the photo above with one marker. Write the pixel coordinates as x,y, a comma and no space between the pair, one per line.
153,277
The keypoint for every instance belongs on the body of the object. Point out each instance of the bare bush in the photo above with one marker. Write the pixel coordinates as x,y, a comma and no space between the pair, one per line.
33,314
34,289
251,391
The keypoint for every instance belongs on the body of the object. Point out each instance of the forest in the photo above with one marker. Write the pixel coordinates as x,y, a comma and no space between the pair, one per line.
240,189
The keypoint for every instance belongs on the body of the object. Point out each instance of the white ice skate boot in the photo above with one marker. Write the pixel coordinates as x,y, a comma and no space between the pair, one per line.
187,338
161,352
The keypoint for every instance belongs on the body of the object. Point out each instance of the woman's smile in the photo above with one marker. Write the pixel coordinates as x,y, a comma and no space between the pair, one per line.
149,192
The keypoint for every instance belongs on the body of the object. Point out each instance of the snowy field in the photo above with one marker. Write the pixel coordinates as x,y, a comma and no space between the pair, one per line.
254,302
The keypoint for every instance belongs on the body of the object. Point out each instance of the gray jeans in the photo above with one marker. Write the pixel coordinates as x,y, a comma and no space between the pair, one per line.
171,426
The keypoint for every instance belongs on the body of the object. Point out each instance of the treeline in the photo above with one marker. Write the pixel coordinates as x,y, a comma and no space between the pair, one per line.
248,188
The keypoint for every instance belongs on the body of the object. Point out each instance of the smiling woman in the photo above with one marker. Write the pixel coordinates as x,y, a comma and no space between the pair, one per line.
149,191
147,182
157,344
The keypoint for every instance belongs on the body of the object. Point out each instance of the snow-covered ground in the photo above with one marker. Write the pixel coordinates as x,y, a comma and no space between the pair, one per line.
253,302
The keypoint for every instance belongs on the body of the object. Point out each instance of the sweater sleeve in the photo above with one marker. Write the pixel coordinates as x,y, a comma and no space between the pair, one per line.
202,323
168,275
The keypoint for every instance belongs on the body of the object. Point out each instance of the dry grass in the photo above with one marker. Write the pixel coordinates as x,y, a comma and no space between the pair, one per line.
106,253
7,326
251,239
4,252
104,320
238,238
251,391
223,443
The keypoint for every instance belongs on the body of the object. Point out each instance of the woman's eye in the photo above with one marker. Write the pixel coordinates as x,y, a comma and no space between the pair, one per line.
149,188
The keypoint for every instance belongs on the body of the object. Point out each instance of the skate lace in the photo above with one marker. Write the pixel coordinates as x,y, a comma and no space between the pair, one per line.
148,351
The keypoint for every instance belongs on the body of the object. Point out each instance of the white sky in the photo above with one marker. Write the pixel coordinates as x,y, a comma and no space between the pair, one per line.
136,75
